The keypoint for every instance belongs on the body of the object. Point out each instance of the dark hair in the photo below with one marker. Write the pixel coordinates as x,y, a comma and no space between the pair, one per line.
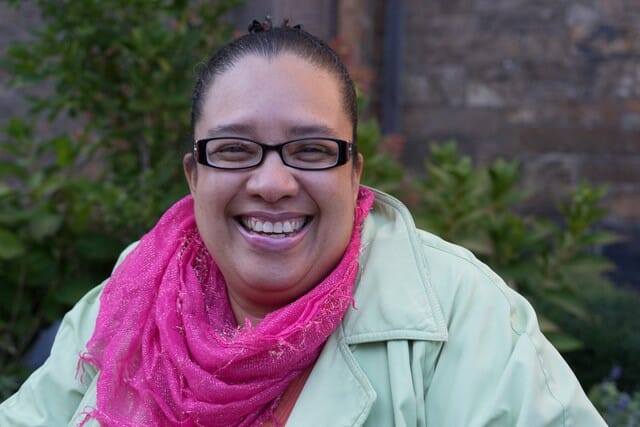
269,44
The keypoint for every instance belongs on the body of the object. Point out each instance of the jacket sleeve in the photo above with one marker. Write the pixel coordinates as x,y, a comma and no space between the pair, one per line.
497,368
50,396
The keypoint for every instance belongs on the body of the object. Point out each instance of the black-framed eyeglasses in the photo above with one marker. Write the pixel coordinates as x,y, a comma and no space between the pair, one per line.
316,153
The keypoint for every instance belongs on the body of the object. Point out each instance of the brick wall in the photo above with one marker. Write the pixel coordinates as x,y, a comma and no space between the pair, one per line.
553,84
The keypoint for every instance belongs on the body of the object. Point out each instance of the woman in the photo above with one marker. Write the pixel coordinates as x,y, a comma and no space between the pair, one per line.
281,292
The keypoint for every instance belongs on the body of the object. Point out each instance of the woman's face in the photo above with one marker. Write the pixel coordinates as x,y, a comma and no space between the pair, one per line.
272,101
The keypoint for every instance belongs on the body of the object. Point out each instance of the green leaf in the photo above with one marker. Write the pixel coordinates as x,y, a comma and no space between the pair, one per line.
42,268
5,190
601,238
10,245
64,151
18,129
12,169
98,247
561,341
72,290
564,342
568,301
45,225
12,216
589,264
51,310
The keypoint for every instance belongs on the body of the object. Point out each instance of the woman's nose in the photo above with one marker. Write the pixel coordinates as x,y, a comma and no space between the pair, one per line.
272,180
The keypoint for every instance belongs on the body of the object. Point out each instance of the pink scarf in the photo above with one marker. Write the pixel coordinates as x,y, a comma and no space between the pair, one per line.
167,345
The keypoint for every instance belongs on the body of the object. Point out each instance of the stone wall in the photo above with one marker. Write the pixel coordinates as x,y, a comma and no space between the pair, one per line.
553,84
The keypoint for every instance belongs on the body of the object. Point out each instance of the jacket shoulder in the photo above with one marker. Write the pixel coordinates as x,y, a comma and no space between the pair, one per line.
457,275
496,354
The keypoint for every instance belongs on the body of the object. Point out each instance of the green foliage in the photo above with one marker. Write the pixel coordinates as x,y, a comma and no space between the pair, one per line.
619,409
45,198
381,167
610,336
124,69
121,74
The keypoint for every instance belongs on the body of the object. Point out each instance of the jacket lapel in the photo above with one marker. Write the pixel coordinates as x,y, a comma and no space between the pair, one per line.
337,393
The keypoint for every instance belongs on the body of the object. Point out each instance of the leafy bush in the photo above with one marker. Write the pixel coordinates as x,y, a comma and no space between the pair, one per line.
124,70
619,409
46,199
610,337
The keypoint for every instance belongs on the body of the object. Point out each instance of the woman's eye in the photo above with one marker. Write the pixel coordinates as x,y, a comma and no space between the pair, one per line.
319,148
312,152
229,151
314,149
231,148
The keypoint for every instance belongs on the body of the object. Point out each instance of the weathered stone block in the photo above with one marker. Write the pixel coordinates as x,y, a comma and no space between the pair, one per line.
611,169
534,140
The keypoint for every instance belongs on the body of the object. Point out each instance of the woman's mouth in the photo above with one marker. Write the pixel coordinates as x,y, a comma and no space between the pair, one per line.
275,229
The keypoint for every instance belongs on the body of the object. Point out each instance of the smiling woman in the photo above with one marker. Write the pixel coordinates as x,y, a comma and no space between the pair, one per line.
280,291
262,271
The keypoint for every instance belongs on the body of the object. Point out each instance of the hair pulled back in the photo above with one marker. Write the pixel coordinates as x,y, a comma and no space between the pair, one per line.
269,42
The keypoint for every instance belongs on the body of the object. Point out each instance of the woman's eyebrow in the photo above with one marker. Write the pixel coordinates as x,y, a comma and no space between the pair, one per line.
231,129
295,131
311,130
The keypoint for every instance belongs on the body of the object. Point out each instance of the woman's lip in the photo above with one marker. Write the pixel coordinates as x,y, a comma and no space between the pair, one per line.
271,243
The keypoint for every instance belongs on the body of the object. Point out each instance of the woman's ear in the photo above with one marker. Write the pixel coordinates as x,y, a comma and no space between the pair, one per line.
356,174
190,171
358,168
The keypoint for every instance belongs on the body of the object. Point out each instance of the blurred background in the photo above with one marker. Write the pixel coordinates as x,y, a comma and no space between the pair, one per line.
509,126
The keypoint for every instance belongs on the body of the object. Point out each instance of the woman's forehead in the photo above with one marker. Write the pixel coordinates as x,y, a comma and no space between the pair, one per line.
283,63
285,91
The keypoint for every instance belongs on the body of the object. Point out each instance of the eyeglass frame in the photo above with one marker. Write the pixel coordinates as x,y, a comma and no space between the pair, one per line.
345,150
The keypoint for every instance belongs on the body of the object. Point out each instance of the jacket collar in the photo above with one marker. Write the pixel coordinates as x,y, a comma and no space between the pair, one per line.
394,298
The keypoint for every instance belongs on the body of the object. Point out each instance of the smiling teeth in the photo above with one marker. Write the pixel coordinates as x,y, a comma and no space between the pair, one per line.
267,227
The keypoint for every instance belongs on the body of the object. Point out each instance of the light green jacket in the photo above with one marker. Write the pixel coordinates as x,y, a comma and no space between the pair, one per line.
435,339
